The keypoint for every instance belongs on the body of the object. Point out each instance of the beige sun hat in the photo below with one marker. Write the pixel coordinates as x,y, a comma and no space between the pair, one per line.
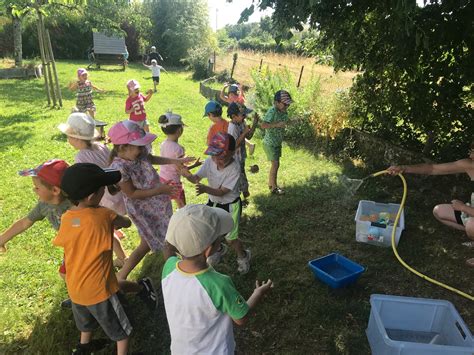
195,227
79,125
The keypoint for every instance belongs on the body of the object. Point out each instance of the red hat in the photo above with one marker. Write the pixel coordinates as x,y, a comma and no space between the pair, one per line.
51,171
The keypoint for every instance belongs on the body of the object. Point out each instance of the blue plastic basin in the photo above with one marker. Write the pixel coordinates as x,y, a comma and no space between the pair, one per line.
336,270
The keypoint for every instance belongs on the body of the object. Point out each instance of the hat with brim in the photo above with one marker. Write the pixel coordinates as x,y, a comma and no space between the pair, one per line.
283,96
128,132
193,228
236,108
234,88
133,85
83,179
51,171
80,126
173,120
211,106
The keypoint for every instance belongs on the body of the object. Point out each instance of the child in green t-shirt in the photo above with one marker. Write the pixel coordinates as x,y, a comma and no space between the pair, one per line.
274,123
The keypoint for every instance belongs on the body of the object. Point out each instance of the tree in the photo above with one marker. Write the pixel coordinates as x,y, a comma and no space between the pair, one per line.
416,63
178,26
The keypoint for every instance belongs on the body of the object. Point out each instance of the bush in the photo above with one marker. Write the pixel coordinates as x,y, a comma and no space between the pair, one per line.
198,61
311,115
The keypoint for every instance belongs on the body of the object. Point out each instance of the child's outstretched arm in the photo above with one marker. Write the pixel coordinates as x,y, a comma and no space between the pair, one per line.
256,118
148,96
158,160
16,228
122,222
97,89
255,298
146,66
221,191
131,191
222,94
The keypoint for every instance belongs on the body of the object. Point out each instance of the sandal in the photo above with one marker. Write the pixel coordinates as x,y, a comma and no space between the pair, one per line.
278,191
470,262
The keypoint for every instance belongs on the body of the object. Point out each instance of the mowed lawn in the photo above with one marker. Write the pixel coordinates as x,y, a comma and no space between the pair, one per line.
314,218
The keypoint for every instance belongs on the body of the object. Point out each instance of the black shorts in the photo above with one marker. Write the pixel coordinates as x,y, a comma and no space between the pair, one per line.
457,215
156,79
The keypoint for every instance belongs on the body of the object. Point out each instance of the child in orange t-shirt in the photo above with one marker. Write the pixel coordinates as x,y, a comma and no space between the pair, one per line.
86,234
213,110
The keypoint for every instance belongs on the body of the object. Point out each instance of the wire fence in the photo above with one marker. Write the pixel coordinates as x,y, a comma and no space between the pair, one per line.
302,69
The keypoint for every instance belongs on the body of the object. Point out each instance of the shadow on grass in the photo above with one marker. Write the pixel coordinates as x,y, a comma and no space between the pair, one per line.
14,137
302,314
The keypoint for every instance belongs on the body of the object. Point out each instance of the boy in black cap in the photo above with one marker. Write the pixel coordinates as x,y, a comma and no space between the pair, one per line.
86,234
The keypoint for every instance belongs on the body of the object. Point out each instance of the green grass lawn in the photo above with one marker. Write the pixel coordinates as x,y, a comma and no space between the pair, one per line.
314,218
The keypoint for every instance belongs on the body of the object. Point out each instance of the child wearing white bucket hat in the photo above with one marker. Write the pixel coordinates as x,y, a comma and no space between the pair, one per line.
81,135
201,304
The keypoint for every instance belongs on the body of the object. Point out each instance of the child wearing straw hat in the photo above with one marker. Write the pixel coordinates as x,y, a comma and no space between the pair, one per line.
81,135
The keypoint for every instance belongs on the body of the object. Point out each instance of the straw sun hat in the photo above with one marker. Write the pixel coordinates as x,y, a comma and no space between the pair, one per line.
79,125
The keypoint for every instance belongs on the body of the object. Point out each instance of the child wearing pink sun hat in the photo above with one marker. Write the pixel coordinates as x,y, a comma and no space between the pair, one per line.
147,200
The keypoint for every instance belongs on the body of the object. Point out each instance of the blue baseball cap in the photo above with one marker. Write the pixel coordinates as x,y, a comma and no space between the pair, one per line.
212,106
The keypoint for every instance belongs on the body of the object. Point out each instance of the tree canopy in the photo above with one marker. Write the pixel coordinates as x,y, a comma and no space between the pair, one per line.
416,80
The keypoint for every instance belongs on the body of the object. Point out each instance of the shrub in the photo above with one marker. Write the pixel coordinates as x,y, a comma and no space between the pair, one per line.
198,61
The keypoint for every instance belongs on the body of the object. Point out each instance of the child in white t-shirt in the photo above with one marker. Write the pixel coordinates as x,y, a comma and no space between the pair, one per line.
155,72
201,304
223,174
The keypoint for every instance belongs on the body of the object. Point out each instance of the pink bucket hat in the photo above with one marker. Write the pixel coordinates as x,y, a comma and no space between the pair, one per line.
128,132
81,71
132,85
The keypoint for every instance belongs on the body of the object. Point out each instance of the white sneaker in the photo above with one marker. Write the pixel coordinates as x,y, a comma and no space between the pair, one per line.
215,258
244,263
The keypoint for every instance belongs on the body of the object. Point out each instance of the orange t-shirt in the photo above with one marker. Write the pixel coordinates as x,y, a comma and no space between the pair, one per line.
219,126
86,236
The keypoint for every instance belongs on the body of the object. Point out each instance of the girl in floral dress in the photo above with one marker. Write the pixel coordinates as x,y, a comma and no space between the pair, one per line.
84,88
147,200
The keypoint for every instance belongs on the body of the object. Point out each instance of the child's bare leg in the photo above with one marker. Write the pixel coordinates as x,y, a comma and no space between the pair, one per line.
86,337
272,177
122,347
236,244
445,214
118,249
470,228
137,255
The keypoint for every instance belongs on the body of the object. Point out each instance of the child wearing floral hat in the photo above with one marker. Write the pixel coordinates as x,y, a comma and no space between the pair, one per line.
223,175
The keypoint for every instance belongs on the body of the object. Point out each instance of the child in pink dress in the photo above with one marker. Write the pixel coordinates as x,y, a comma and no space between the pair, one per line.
147,200
172,125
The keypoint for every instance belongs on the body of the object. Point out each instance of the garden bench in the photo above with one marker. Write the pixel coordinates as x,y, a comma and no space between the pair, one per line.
108,50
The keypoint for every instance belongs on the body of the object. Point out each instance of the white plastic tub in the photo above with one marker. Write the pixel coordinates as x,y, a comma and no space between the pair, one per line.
416,326
384,233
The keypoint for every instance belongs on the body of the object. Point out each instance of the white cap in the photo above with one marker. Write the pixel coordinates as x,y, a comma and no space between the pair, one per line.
79,125
173,120
195,227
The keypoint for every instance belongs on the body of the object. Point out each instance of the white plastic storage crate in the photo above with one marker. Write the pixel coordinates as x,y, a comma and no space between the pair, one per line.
416,326
384,233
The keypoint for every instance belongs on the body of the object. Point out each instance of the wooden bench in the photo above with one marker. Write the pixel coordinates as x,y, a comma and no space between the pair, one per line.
108,50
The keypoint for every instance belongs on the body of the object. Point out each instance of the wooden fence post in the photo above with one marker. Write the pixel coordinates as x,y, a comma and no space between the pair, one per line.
301,74
260,66
233,65
214,62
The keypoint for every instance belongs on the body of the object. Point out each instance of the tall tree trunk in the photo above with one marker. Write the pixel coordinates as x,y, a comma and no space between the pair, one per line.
17,42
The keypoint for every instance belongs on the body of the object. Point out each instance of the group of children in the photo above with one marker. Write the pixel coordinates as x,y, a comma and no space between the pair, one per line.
86,203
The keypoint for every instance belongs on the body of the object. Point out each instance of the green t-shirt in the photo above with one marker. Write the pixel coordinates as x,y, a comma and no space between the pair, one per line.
49,211
274,136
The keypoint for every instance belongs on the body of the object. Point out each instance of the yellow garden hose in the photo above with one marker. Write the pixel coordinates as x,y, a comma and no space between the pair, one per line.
394,247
